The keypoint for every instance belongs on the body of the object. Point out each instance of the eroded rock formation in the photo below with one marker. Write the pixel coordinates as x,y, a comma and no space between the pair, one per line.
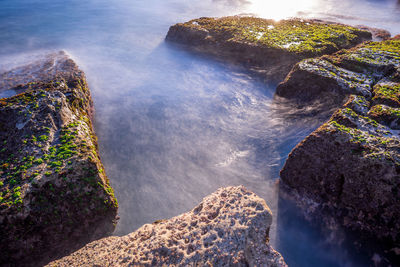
54,194
228,228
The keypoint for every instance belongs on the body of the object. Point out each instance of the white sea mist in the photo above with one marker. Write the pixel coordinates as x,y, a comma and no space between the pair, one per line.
174,126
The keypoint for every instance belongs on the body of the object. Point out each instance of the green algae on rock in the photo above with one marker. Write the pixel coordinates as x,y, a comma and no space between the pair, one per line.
328,82
386,115
353,71
349,168
387,92
261,43
54,193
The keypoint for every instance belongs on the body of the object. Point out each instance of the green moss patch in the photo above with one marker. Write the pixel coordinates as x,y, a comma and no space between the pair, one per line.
371,57
349,82
358,104
374,144
295,35
386,115
387,93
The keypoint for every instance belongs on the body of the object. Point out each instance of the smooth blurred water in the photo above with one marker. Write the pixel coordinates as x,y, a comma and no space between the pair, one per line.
173,126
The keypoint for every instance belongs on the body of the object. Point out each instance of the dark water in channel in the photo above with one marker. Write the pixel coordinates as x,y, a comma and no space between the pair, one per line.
172,126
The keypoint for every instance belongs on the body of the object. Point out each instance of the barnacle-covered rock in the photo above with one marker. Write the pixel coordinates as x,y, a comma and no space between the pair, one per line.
54,193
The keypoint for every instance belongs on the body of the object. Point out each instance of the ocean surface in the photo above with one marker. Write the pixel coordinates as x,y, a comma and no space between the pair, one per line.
174,126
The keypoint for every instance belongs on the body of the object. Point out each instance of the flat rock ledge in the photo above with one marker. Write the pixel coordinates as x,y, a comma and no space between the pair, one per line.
349,168
228,228
267,46
54,194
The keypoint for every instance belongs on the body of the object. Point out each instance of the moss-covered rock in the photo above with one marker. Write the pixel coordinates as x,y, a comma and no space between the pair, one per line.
352,71
317,78
386,115
54,193
373,58
266,45
358,104
349,168
388,93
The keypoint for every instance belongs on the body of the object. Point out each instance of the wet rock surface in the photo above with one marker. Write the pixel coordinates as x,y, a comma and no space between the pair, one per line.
349,168
353,71
267,46
228,228
54,193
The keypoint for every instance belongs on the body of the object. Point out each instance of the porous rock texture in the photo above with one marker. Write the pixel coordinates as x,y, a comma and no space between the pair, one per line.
264,45
54,194
349,168
228,228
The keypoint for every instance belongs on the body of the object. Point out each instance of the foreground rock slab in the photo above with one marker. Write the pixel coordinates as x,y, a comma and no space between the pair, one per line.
349,168
54,194
266,45
228,228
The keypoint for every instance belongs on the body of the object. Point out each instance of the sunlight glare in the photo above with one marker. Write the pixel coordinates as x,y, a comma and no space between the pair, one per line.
281,9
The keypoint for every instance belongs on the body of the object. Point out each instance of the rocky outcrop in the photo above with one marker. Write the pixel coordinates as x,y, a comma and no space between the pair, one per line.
353,71
54,194
264,45
349,168
228,228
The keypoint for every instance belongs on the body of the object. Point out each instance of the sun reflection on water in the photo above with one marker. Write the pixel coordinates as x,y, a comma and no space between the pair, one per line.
281,9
